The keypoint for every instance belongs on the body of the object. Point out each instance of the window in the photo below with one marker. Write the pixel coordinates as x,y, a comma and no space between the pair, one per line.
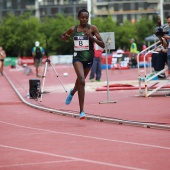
1,5
8,4
126,7
50,2
141,6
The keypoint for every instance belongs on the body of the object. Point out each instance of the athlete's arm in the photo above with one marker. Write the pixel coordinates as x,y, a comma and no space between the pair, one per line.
98,40
3,54
66,35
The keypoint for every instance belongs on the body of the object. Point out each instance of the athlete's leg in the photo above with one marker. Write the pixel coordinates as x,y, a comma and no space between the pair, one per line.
40,66
1,67
36,66
36,70
80,82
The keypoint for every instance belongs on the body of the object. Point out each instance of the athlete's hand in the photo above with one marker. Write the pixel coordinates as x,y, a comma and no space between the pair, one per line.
65,37
88,33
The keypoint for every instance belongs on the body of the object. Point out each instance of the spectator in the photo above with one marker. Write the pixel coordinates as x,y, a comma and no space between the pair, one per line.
96,70
133,53
159,59
144,46
2,56
167,37
119,51
38,53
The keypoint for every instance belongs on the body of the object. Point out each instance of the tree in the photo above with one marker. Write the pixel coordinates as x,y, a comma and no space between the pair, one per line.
18,34
53,28
143,29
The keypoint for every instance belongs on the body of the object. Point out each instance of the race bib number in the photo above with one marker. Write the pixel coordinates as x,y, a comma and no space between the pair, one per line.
81,43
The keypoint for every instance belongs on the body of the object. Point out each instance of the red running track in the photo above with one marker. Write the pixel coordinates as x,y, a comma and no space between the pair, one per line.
33,139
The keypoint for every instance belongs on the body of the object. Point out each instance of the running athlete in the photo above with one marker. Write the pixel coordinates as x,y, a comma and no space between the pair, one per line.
2,57
83,37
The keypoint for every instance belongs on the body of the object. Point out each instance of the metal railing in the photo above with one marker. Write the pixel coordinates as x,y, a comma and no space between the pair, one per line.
150,79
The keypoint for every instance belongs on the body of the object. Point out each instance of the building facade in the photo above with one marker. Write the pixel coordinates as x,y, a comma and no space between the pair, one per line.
132,10
119,10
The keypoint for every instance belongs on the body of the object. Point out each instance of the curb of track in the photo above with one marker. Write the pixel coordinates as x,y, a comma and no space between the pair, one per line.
88,116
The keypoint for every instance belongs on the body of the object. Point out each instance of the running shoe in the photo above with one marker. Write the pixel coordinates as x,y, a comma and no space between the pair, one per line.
69,98
92,80
99,80
82,115
162,76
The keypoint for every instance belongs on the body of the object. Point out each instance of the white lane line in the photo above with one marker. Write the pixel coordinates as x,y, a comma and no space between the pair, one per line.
70,157
91,137
37,163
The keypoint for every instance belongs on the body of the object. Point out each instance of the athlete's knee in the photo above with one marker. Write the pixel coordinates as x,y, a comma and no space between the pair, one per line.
81,81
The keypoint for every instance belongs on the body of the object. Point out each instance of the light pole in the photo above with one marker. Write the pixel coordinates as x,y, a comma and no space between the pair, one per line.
161,11
89,9
37,8
74,11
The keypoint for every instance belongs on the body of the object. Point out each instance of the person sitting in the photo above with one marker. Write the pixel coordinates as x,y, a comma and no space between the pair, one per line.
159,57
117,58
119,51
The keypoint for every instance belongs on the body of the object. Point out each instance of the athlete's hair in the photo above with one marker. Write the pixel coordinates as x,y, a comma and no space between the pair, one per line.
168,17
82,10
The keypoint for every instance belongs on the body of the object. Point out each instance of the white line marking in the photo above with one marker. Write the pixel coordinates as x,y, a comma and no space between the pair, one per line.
70,157
91,137
37,163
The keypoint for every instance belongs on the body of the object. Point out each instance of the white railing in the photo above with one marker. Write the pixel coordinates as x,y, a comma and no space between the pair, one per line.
146,76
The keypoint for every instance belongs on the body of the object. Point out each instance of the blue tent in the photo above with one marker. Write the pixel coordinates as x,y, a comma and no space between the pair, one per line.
151,38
